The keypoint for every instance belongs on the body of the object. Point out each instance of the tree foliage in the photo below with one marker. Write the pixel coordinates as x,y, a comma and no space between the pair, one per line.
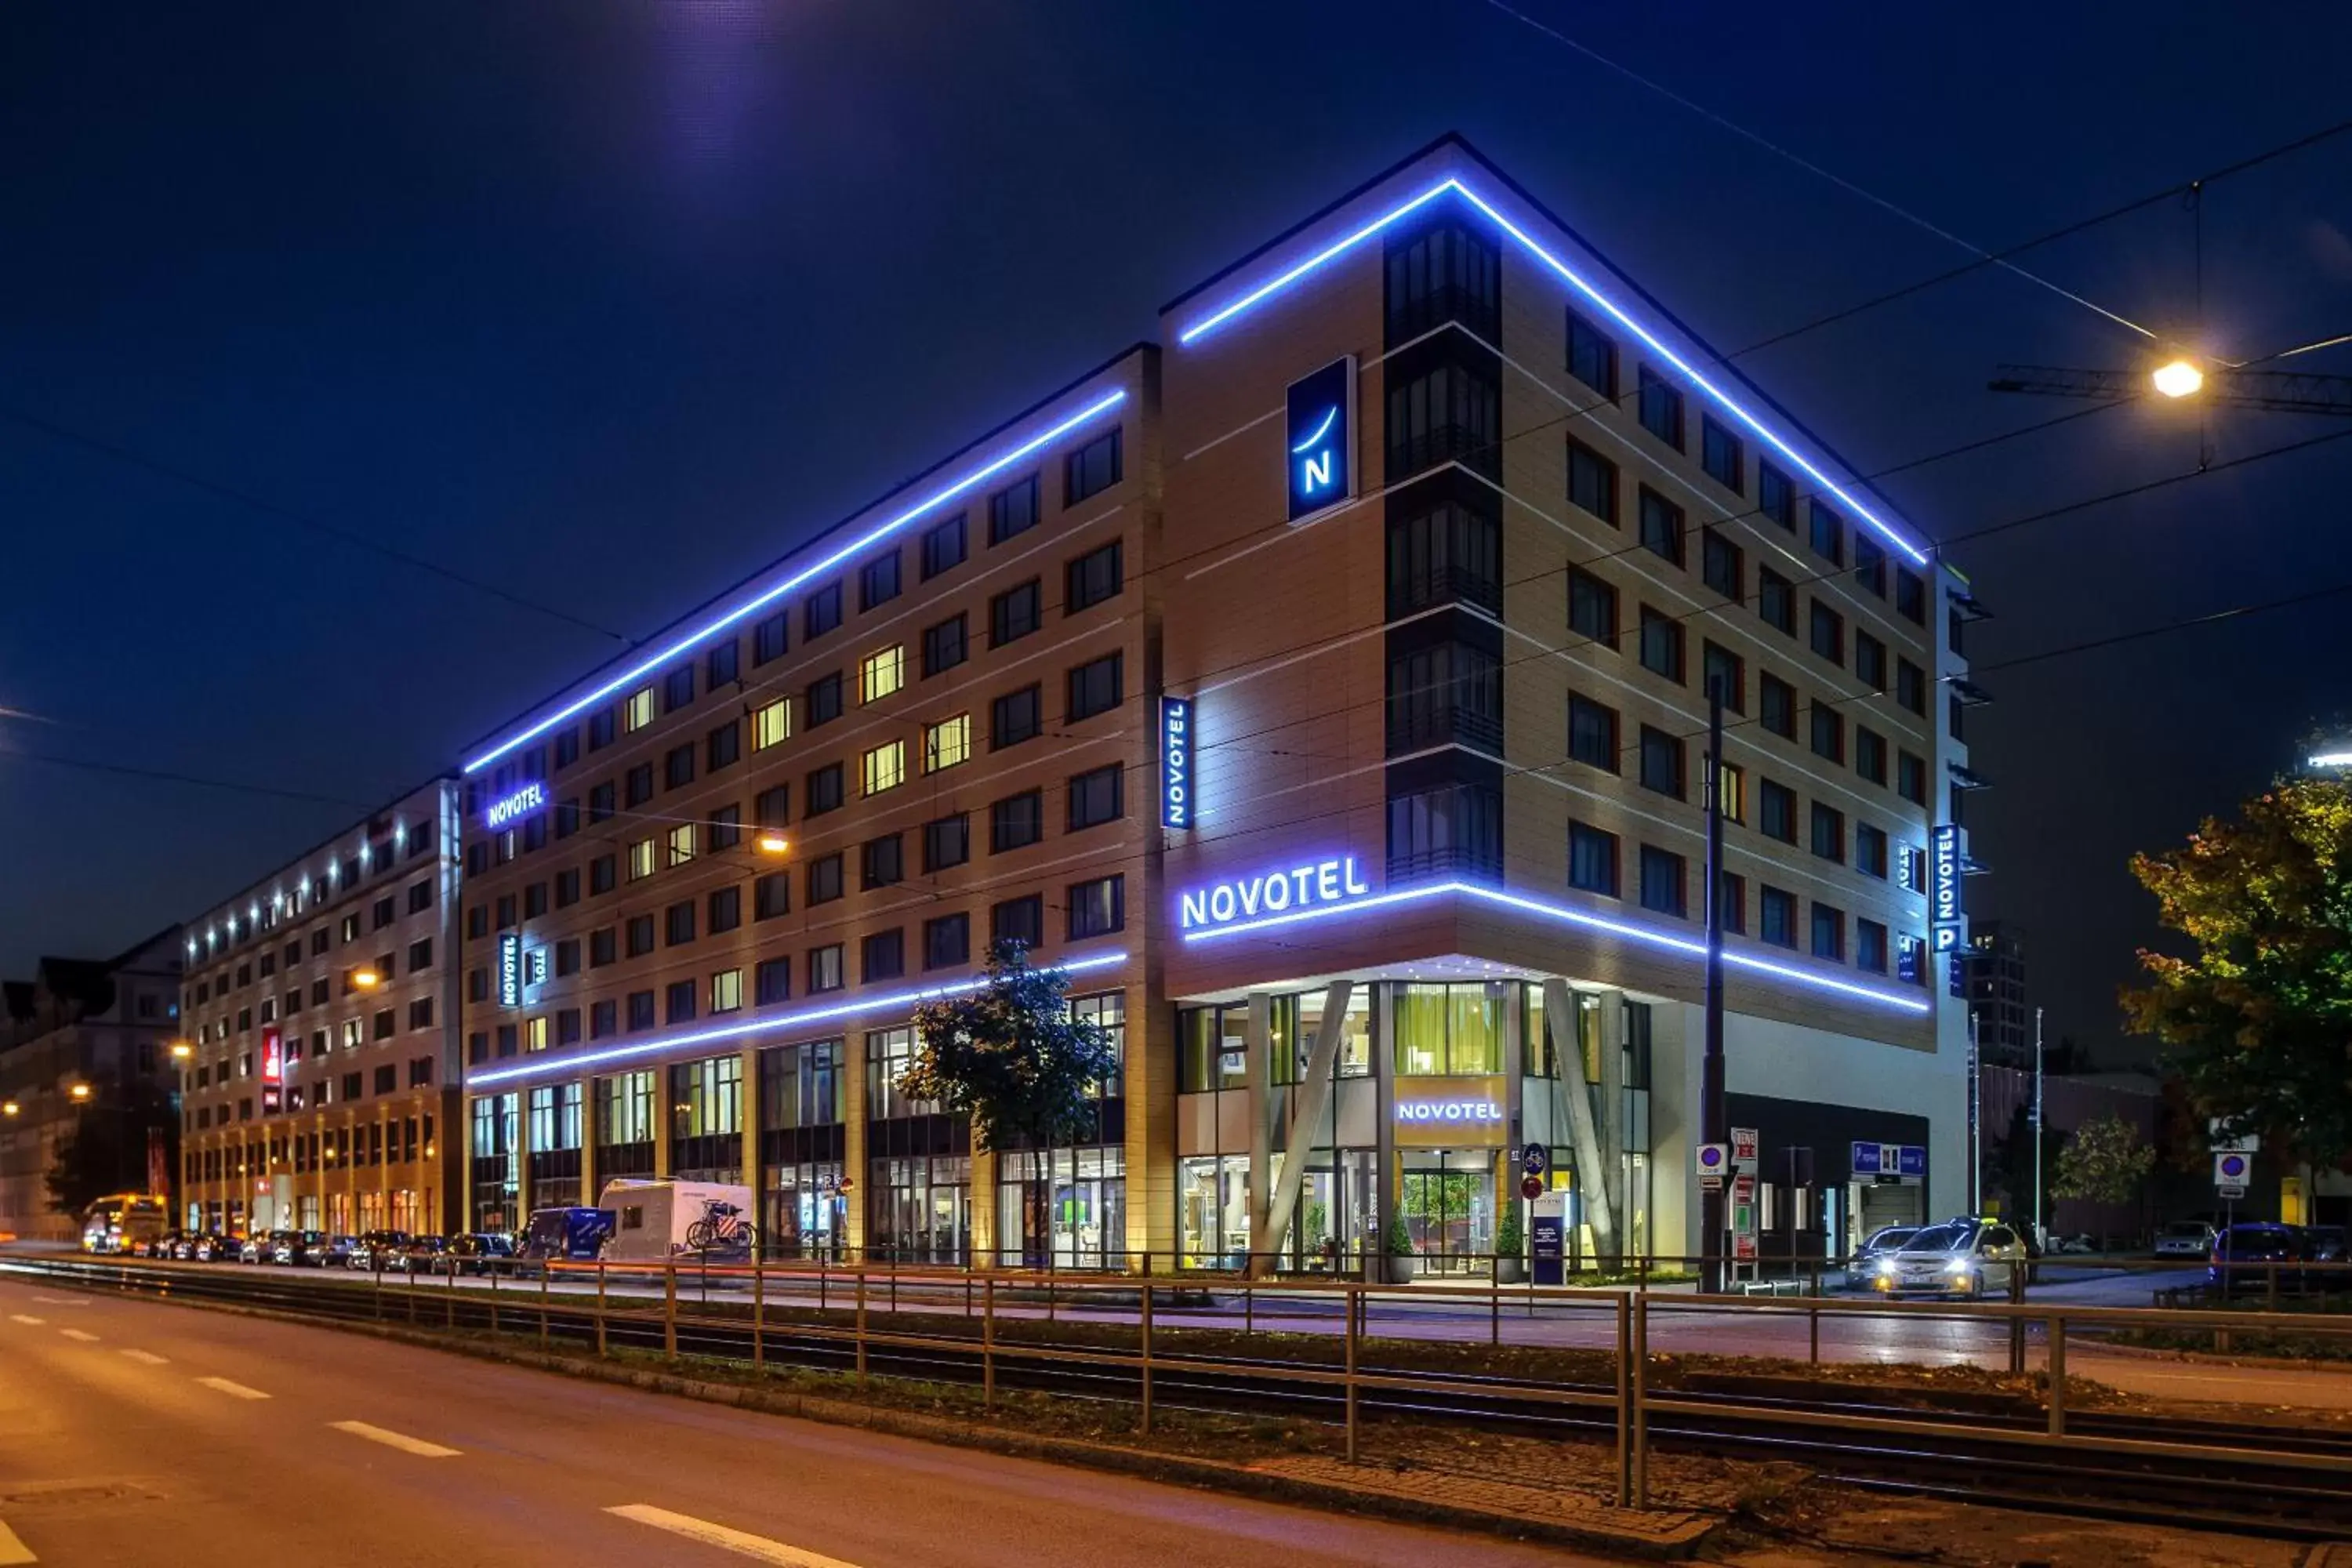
106,1151
2104,1163
2013,1168
1010,1057
2258,1023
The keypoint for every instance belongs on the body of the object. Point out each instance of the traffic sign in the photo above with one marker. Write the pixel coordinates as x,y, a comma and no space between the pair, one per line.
1534,1160
2243,1143
2232,1169
1713,1160
2231,1190
1743,1145
1531,1187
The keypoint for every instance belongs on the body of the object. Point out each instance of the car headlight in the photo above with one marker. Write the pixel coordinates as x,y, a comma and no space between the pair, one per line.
1884,1266
1958,1266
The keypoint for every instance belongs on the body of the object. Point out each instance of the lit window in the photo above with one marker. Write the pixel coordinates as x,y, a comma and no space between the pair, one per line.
946,743
681,844
727,990
884,767
640,709
882,673
641,859
772,725
535,1034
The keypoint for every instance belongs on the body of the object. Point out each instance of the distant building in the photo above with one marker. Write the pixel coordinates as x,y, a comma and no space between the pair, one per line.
106,1024
1993,969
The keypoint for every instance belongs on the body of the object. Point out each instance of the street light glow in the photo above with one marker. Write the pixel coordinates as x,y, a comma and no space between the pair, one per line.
79,1091
366,979
2179,379
773,844
10,1108
182,1050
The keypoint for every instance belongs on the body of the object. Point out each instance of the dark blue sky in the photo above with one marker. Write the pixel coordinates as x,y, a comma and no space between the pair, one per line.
608,305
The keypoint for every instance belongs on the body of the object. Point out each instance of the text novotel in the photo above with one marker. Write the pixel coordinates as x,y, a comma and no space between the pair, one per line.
1453,1110
1175,762
1944,885
1317,882
522,803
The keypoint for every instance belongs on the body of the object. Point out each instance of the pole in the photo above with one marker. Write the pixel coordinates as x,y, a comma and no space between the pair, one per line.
1712,1116
1976,1117
2037,1124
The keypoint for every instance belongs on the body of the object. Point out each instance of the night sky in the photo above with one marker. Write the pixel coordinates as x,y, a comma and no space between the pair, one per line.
606,306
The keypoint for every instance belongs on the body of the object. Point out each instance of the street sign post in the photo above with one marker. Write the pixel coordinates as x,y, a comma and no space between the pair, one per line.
1714,1161
1534,1159
2231,1171
1531,1187
1743,1147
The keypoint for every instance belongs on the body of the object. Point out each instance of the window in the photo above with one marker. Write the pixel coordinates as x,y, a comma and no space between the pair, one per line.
1662,526
1722,565
1869,938
1444,551
1592,481
727,990
1829,733
1439,273
1870,754
947,743
1911,686
726,907
772,981
947,842
824,786
1778,924
877,581
1776,496
1662,644
821,612
638,712
1828,633
947,942
600,802
567,752
1014,613
640,933
1829,933
1013,718
1092,468
1018,920
882,956
1869,566
1449,412
719,665
770,638
567,820
825,880
884,768
1734,891
881,673
1778,702
1776,601
1828,533
1870,850
1911,778
420,957
1723,454
771,895
1095,798
1092,578
677,924
825,969
1591,859
1719,667
1911,595
678,689
1591,356
1829,832
681,844
640,781
1592,608
601,873
1663,878
678,767
1592,733
641,860
724,830
1097,908
1662,762
641,1010
823,700
1016,821
677,1004
1870,660
882,861
1662,407
1776,811
944,647
943,546
1095,687
1012,510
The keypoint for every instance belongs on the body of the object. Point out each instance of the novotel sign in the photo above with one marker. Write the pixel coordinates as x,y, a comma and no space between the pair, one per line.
1944,886
509,970
1423,1112
1297,887
522,803
1318,435
1176,761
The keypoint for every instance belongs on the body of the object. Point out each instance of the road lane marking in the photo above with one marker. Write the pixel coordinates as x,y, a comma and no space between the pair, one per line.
84,1335
12,1551
238,1390
21,1317
64,1301
399,1440
710,1534
148,1358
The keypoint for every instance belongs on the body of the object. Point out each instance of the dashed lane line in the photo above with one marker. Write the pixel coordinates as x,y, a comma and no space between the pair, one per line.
758,1547
400,1440
235,1390
26,1319
84,1335
148,1358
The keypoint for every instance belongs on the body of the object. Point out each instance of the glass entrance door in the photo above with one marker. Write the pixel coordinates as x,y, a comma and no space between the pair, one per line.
1449,1209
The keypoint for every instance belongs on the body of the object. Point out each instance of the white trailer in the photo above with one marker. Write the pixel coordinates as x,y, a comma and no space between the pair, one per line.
655,1219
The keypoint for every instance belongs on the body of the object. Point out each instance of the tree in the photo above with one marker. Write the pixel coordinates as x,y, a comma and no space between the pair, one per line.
1010,1057
106,1151
2104,1162
2012,1164
2258,1023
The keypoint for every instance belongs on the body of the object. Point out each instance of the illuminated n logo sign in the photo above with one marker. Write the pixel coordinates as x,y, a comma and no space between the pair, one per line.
1321,417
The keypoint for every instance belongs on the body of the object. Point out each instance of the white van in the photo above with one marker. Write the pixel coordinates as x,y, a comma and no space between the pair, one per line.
657,1219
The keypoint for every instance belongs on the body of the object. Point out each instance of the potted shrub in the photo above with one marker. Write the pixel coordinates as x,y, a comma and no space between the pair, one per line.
1510,1247
1398,1245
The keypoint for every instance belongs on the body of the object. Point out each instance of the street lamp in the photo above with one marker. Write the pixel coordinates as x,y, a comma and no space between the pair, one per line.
182,1051
773,844
366,979
2178,378
10,1108
80,1091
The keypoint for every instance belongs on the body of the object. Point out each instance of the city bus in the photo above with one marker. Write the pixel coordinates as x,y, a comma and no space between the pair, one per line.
123,1222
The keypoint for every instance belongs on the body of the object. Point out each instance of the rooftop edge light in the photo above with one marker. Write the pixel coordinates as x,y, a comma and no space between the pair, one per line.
1567,274
793,1020
1567,916
2332,759
862,543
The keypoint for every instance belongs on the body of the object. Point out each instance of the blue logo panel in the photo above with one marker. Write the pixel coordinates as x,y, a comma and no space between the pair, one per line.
1319,446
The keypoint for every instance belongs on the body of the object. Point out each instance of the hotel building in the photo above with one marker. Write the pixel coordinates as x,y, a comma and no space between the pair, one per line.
321,1010
1324,687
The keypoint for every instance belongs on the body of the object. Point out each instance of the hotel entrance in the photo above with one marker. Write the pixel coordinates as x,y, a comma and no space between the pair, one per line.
1447,1203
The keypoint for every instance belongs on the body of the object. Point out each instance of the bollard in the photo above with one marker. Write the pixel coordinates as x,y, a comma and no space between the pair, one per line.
2057,1330
600,1310
988,1345
450,1296
759,1317
546,1272
861,1329
669,1311
494,1296
2017,1325
1640,1386
1146,1359
1349,1380
1624,1401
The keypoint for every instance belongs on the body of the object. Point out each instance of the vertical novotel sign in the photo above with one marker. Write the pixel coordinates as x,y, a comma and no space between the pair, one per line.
1319,440
509,969
1944,886
1175,762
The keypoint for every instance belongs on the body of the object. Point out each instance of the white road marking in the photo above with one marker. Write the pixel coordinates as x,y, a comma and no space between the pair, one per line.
82,1334
21,1317
238,1390
12,1550
64,1301
148,1358
401,1441
710,1534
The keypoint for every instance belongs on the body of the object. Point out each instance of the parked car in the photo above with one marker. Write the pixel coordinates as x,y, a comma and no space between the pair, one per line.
423,1255
2184,1239
184,1246
376,1249
331,1251
261,1246
292,1248
1962,1257
155,1246
479,1252
1882,1242
2253,1256
565,1235
214,1247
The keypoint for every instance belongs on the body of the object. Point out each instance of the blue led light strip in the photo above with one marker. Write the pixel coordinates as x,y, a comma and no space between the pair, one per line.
1566,916
1567,274
772,1023
865,541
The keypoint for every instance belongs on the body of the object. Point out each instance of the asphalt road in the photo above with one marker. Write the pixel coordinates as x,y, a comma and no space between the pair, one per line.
136,1433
